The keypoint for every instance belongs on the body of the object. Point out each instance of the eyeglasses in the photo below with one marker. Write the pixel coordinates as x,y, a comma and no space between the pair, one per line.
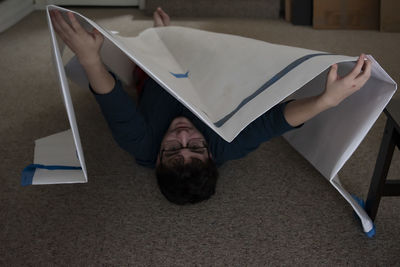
171,148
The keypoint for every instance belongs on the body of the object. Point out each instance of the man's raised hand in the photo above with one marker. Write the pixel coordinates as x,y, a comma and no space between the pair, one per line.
339,88
86,45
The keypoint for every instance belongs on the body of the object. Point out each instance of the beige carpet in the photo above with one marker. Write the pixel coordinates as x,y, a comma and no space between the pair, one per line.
271,208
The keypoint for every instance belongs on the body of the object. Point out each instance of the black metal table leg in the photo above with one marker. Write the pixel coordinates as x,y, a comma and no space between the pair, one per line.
378,182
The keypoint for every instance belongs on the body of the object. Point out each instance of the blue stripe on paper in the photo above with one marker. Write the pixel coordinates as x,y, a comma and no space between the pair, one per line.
265,86
29,171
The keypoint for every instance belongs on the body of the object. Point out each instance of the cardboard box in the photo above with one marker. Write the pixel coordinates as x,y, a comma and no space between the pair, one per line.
390,15
346,14
288,9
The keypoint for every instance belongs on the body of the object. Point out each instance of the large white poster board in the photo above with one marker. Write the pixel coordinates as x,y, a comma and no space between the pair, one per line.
228,81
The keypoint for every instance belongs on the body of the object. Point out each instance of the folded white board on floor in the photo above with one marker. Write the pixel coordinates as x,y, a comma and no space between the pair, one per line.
228,81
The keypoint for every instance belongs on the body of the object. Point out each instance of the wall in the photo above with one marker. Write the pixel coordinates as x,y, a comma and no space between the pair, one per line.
12,11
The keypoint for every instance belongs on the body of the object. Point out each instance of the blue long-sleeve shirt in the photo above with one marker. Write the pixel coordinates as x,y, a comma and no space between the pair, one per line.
140,128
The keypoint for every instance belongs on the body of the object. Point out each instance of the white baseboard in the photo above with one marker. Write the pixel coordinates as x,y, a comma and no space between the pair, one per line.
12,11
41,4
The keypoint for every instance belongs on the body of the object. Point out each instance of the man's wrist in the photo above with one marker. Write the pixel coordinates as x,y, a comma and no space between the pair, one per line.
91,62
101,81
323,102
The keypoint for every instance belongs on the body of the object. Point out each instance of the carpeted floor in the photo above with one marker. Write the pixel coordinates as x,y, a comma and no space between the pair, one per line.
271,208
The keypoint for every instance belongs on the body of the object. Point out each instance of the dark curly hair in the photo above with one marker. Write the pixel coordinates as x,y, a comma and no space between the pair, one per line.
187,183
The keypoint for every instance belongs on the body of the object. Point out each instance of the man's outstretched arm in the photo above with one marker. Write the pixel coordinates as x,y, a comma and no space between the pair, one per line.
127,125
86,46
336,90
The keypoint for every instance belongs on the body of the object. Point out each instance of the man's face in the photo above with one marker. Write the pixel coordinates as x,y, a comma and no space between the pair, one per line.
182,142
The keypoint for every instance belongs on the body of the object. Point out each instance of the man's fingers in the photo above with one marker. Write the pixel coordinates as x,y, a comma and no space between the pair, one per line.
357,69
364,76
332,74
64,26
98,37
368,68
74,23
57,27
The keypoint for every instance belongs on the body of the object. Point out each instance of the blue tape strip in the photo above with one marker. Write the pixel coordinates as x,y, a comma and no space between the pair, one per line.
270,82
29,171
371,233
183,75
27,175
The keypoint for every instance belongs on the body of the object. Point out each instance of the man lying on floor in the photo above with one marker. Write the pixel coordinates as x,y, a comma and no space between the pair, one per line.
160,132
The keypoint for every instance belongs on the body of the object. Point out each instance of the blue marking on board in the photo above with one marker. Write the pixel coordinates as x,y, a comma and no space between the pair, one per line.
29,171
266,85
180,75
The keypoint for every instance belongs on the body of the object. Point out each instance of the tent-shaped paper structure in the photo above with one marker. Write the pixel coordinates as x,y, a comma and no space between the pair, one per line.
228,81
